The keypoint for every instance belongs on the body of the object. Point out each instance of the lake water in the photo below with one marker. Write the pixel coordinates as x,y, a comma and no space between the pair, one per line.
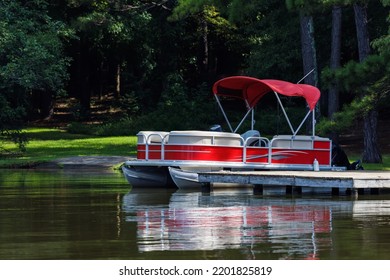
94,215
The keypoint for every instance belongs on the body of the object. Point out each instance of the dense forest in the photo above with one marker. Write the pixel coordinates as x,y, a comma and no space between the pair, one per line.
157,59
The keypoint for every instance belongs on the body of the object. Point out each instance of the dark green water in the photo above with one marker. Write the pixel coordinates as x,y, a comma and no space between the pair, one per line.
95,215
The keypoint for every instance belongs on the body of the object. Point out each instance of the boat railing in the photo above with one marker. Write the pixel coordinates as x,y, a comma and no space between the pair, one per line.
300,142
194,137
157,142
293,142
254,141
162,139
153,138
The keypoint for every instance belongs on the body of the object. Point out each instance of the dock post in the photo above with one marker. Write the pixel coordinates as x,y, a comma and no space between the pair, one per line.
352,192
374,190
298,190
206,187
360,191
258,189
293,189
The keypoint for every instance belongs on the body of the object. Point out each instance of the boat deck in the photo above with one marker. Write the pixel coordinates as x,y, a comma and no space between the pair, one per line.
350,182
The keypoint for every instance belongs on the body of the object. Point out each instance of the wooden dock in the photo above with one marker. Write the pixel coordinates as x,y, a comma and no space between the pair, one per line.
350,182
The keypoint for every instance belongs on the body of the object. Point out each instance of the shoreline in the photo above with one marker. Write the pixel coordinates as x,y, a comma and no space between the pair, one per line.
84,162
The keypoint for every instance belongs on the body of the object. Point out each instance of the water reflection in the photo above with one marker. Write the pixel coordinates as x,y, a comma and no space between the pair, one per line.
93,215
230,220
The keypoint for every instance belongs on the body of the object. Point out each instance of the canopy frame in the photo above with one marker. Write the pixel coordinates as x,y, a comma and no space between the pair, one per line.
271,84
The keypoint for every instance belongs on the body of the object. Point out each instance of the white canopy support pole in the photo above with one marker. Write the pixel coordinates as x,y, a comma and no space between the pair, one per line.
243,119
253,119
303,121
313,122
223,112
305,76
284,112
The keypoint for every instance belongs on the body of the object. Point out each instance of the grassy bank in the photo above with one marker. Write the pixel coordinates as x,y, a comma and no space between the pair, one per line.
385,166
46,144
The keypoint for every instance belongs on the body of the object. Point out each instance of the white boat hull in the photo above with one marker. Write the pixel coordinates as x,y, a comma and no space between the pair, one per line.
184,179
188,179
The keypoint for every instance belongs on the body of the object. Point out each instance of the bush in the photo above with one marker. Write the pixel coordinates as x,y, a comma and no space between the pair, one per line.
80,128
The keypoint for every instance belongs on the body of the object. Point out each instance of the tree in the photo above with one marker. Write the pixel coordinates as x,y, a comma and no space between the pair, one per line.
31,54
335,56
223,46
367,77
308,46
111,50
32,63
371,151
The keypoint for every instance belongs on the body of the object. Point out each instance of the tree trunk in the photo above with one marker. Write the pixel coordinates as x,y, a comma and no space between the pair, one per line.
85,87
371,153
309,56
335,56
361,23
42,105
100,82
308,49
118,81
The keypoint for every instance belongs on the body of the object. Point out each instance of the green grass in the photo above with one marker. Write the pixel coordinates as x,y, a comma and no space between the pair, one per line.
385,165
379,166
47,144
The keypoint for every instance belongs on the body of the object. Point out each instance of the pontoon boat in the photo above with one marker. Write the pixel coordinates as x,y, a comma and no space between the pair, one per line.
185,153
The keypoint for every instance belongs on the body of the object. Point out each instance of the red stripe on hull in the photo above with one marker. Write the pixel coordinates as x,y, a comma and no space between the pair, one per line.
322,145
234,154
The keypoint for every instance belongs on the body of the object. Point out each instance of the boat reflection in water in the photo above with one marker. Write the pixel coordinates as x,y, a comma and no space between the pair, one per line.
233,220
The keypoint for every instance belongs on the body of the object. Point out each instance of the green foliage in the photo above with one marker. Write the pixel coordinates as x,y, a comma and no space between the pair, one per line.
188,7
31,58
180,108
129,103
354,75
308,6
367,83
271,122
9,128
341,120
273,34
373,98
80,128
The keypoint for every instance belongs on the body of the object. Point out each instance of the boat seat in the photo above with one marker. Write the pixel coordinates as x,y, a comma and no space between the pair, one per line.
252,141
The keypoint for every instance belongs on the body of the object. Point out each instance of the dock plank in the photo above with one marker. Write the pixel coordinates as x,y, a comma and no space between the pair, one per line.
333,179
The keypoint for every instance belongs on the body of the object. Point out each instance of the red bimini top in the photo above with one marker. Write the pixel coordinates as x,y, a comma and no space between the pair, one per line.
252,89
